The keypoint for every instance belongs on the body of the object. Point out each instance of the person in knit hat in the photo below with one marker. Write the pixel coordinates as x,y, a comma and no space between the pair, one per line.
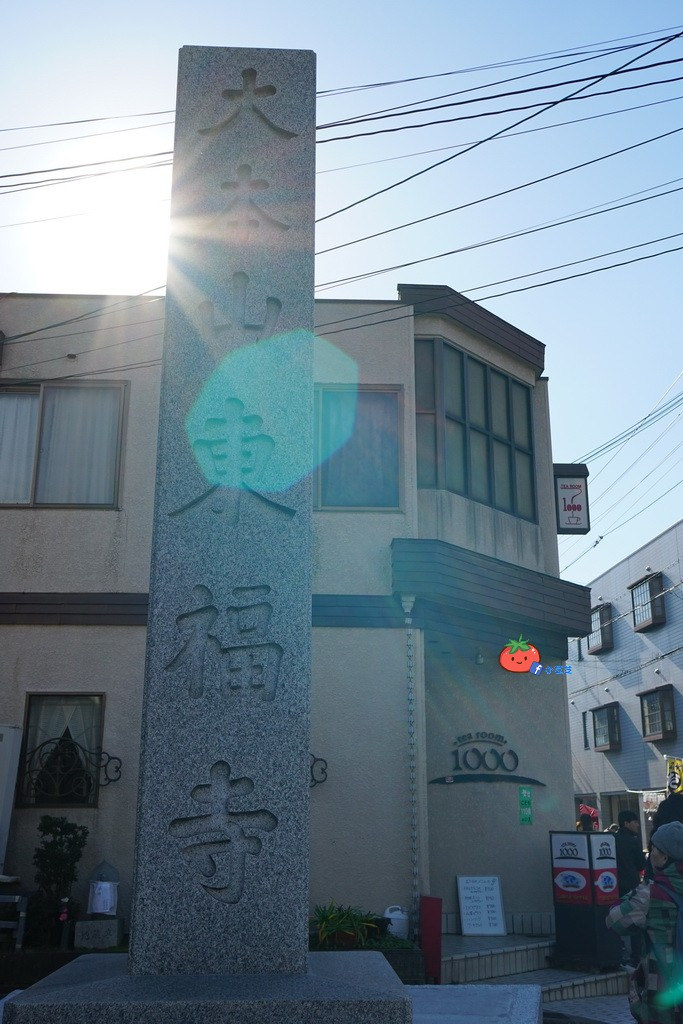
656,988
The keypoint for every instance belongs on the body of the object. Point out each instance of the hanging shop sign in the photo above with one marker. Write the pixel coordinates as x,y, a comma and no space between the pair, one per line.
484,757
571,497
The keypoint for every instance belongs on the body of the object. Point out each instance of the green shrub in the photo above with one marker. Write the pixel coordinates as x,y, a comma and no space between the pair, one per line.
338,927
51,909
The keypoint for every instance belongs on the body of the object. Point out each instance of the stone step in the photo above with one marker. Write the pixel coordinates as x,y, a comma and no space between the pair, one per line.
466,959
558,984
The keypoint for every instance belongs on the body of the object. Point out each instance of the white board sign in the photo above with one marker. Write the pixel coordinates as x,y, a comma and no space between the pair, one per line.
481,905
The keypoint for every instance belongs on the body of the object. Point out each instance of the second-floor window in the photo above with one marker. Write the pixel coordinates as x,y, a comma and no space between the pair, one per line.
658,713
600,637
647,599
358,440
60,444
606,729
474,429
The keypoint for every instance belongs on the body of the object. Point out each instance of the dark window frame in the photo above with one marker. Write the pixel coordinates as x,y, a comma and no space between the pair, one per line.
600,639
611,714
92,801
650,588
584,724
395,389
440,417
38,387
666,704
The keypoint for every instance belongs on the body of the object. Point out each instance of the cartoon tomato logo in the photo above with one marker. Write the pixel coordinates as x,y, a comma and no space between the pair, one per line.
518,655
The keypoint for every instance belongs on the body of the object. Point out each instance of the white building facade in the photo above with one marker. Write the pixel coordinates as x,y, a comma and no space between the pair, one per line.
626,685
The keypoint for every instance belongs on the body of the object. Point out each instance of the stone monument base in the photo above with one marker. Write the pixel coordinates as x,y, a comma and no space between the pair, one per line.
99,933
339,988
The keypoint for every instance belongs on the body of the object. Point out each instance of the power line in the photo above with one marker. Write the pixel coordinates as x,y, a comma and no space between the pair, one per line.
473,88
549,55
570,219
86,120
496,113
516,124
526,131
94,163
110,307
92,135
8,190
83,352
381,116
615,528
503,192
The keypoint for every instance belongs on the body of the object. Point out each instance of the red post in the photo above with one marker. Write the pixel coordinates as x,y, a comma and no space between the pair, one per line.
430,937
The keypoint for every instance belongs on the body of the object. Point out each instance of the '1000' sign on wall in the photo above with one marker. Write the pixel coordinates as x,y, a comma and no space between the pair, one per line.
484,757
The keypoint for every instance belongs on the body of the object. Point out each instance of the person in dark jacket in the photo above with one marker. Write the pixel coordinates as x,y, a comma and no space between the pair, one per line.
670,809
630,862
630,856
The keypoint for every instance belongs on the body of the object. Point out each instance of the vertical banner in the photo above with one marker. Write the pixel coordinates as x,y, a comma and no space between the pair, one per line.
674,775
603,850
526,816
570,865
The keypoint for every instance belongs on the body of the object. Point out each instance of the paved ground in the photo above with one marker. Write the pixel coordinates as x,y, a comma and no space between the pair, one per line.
606,1009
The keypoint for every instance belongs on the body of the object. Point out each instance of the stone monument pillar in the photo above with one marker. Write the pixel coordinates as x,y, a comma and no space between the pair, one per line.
223,808
220,906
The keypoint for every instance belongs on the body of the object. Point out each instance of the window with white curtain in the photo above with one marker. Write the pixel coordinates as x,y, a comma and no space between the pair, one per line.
60,756
60,444
358,447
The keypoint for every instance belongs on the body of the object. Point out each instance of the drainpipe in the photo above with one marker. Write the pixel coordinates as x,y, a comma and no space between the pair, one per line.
407,603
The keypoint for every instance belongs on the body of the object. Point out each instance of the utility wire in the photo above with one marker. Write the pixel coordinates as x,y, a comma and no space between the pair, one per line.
496,113
93,135
503,192
615,528
569,219
516,124
94,163
380,116
86,120
526,131
548,55
110,307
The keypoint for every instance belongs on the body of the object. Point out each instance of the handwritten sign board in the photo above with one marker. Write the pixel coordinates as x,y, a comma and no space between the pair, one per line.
481,905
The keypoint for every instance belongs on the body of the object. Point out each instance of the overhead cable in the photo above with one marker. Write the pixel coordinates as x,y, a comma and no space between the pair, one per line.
516,124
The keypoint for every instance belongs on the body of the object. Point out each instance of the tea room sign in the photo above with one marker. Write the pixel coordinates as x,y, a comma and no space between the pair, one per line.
571,497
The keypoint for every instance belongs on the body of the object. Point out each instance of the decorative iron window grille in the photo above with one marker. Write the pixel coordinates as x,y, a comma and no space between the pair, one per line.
606,730
658,714
600,638
60,772
318,770
647,599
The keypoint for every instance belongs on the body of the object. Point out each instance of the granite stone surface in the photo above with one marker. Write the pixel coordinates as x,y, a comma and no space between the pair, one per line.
338,988
469,1004
221,882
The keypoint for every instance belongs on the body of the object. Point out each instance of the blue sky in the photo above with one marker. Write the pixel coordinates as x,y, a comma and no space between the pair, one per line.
613,338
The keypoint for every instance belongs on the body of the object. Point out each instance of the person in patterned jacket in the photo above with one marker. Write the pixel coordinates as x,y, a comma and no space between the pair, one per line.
656,995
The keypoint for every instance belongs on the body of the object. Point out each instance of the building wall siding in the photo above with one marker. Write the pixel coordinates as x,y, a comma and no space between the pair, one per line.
629,669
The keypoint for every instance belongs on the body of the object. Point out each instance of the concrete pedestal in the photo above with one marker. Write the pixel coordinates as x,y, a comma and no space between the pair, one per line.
339,988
